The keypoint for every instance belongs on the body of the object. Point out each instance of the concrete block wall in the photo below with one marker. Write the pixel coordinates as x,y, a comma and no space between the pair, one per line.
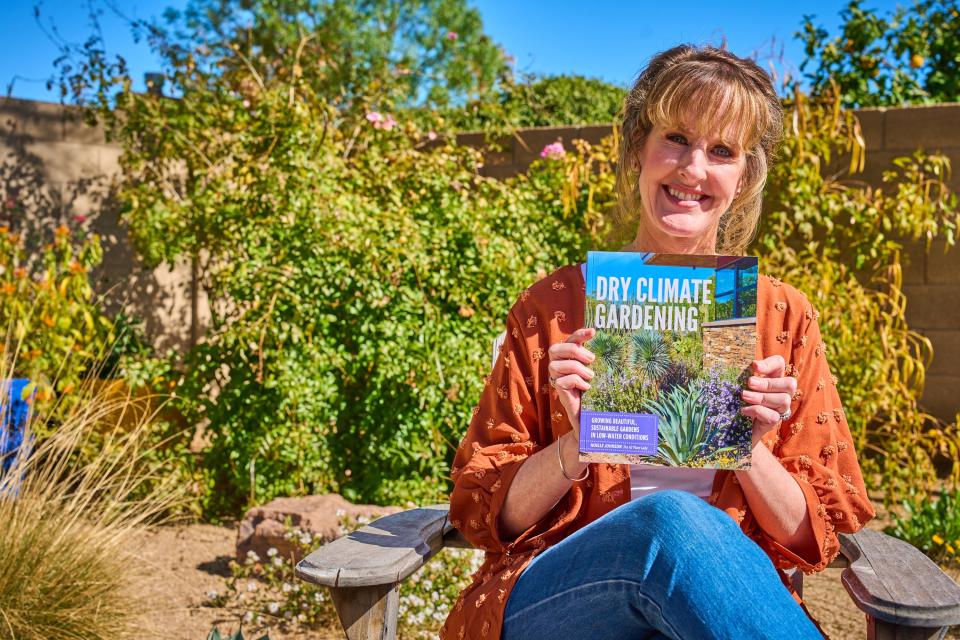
45,150
54,166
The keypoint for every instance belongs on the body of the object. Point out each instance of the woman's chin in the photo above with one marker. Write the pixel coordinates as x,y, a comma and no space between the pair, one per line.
684,225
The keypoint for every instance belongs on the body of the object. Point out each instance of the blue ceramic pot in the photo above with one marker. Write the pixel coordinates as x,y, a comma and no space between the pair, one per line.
14,413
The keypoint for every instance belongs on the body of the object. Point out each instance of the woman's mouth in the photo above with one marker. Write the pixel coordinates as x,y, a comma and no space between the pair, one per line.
683,198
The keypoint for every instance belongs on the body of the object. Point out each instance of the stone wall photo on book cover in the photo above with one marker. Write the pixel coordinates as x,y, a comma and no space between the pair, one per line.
676,335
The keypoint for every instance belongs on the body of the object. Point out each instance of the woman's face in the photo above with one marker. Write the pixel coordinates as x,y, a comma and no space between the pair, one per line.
688,179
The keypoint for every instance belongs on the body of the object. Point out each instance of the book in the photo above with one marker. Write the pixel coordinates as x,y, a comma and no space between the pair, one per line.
675,338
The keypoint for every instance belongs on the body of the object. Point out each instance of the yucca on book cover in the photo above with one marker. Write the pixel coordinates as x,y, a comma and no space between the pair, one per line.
676,335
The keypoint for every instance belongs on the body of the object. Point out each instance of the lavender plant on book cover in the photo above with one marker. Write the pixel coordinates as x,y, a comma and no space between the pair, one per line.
676,335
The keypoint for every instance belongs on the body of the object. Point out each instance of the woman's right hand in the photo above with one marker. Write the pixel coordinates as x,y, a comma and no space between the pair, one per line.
569,372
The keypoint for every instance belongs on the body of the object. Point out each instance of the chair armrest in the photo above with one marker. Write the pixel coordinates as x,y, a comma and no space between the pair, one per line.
383,552
893,581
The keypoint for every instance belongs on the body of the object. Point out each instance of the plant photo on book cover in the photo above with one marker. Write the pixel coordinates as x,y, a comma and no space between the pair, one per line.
675,336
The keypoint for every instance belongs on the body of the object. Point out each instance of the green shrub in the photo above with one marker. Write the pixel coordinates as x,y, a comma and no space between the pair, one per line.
933,526
57,332
551,101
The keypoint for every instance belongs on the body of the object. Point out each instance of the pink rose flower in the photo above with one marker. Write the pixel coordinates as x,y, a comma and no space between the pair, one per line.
80,218
380,121
554,151
452,35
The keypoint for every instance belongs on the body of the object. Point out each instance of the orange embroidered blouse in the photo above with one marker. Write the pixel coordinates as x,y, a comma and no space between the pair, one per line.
519,414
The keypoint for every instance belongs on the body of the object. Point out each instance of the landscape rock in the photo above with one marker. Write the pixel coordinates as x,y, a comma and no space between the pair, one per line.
265,526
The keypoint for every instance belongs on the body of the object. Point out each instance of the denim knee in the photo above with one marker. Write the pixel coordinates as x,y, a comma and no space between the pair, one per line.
674,519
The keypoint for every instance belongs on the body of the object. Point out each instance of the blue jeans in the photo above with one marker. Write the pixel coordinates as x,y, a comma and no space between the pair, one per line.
666,565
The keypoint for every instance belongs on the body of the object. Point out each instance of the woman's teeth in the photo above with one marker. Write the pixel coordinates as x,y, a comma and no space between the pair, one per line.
680,195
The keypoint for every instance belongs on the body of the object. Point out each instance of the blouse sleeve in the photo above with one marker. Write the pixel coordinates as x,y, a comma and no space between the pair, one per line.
816,448
498,440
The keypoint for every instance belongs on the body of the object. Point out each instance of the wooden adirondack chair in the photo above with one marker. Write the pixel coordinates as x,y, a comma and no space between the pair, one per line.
904,594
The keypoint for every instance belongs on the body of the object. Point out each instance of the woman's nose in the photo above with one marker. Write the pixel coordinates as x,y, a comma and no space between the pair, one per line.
694,165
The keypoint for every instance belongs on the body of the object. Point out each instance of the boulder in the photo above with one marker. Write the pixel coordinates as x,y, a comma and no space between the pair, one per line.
321,516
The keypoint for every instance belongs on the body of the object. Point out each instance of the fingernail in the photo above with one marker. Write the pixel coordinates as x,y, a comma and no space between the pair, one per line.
754,381
751,396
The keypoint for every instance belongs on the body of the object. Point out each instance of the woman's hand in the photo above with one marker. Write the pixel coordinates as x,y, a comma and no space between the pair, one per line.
768,395
569,373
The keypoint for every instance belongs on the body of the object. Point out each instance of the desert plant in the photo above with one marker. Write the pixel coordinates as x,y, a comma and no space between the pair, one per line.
720,394
67,563
650,354
622,392
684,434
611,350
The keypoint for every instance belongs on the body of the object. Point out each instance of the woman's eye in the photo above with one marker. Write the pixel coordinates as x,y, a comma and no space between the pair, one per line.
676,137
723,152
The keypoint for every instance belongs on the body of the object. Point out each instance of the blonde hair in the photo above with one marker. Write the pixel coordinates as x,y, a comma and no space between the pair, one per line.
724,93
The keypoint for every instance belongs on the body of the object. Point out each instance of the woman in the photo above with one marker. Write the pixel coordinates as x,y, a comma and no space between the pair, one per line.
696,553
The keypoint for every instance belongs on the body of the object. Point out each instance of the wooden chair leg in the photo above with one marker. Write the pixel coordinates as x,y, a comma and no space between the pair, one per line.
368,613
880,630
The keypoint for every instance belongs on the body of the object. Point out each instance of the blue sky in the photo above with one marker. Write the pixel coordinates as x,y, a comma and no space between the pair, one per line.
610,265
605,39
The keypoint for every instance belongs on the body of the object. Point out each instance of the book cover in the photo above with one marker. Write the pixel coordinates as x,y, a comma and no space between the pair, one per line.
676,335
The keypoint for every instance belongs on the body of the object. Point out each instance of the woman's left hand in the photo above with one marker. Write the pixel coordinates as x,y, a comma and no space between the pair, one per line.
768,395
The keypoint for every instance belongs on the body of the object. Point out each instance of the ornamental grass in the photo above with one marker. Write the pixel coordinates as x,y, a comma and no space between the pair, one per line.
68,519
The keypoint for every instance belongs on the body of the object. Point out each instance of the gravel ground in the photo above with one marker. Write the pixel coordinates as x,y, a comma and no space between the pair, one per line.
188,561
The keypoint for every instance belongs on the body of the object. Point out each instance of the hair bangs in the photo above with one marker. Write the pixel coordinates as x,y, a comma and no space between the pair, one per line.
709,100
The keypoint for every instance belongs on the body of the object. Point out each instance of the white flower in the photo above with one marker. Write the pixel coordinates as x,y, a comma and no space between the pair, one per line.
212,594
248,616
306,538
278,561
287,587
287,615
271,552
251,586
318,597
301,617
273,607
252,555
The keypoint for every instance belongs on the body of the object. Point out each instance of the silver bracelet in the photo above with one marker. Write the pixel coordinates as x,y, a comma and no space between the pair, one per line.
586,472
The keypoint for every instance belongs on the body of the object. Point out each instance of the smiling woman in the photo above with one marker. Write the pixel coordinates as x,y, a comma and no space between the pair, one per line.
602,550
712,124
